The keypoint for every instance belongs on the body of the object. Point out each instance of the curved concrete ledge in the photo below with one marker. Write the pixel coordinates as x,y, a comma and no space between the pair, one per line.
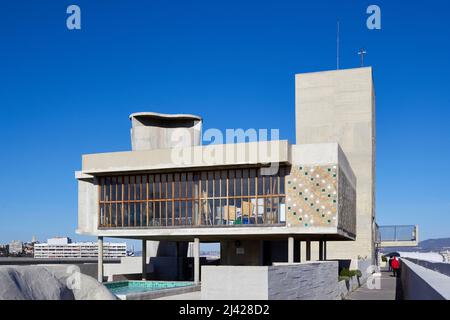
419,283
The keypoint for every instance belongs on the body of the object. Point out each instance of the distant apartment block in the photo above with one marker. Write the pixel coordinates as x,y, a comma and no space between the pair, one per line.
4,250
58,248
15,247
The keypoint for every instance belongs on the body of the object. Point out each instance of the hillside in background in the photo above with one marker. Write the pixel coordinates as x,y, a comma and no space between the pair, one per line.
425,245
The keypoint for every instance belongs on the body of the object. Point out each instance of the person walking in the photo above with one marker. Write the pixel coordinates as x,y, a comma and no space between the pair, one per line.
390,263
395,264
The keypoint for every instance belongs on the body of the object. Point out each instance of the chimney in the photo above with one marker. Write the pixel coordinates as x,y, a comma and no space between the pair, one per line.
151,130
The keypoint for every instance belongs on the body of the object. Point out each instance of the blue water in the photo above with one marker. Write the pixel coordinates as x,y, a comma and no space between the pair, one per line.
127,287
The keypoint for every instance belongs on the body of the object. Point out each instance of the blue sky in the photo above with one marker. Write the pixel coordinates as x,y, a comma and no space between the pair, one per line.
64,93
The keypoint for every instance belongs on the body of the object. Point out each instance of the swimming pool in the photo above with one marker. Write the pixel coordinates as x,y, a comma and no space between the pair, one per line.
123,288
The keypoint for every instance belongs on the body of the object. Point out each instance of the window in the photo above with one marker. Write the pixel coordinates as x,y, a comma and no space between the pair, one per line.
208,198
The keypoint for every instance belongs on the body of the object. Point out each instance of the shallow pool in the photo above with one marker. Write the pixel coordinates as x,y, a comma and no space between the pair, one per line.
127,287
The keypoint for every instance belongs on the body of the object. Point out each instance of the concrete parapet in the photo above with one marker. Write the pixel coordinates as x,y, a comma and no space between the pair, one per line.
420,283
302,281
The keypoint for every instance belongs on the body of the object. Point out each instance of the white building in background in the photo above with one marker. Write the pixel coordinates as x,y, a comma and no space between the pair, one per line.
57,248
15,247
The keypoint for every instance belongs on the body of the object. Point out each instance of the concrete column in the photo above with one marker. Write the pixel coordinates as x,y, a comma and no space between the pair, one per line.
196,260
291,250
144,259
100,260
321,250
324,250
300,251
308,250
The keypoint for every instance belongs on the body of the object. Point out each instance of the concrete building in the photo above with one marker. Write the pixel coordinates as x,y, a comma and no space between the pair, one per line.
339,106
4,250
15,248
265,202
61,248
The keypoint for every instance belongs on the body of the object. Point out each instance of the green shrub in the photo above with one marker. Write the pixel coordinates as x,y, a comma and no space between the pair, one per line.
350,273
345,273
343,278
384,259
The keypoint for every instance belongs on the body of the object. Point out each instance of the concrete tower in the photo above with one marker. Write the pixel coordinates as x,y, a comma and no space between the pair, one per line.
339,106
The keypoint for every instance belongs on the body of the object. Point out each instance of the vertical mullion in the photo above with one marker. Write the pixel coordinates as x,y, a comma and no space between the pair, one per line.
173,200
271,200
110,203
278,201
200,199
122,202
160,192
117,200
180,206
220,198
186,186
228,196
166,203
265,199
100,189
249,197
140,203
146,200
256,196
213,197
129,200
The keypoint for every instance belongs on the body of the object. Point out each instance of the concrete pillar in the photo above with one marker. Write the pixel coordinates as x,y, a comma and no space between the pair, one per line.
196,260
144,259
324,250
300,251
321,250
308,250
100,260
291,250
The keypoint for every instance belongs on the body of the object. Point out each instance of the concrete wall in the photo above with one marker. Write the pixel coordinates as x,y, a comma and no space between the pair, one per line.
240,253
440,267
420,283
305,281
339,106
152,130
235,283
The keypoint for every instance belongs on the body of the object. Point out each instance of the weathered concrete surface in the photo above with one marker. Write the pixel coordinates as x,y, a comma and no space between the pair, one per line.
151,130
420,283
49,283
306,281
441,267
339,106
303,281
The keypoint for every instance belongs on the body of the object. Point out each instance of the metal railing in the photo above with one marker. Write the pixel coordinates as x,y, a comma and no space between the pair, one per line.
397,233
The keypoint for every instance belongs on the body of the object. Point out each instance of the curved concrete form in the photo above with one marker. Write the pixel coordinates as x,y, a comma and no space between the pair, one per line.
45,282
151,130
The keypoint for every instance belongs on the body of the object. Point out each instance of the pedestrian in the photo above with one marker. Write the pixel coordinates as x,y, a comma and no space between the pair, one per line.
395,264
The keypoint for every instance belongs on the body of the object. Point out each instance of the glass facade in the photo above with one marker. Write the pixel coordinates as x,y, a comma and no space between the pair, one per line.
198,198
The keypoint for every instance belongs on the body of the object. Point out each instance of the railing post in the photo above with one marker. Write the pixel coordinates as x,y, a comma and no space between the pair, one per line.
196,260
100,260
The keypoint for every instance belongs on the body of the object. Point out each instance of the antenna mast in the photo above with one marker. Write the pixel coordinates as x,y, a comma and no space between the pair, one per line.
361,53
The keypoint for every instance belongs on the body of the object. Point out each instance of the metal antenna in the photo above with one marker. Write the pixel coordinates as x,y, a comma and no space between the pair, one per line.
361,53
337,45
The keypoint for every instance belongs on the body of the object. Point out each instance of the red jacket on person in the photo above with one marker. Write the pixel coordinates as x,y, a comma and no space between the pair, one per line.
395,264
